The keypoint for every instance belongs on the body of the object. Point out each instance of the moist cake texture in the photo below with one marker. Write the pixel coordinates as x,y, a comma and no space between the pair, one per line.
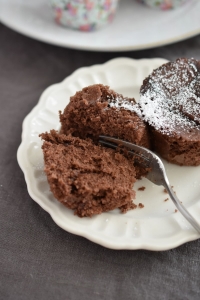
170,104
87,178
91,179
98,110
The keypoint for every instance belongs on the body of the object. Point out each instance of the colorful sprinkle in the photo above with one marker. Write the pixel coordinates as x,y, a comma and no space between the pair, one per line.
163,4
84,15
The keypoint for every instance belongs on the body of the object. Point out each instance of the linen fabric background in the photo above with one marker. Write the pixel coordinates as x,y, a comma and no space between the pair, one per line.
39,260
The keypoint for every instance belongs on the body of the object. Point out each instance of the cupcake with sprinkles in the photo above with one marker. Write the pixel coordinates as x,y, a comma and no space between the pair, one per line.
163,4
84,15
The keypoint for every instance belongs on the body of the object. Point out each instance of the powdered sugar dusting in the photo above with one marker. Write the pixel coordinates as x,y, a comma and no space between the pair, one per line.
170,97
120,102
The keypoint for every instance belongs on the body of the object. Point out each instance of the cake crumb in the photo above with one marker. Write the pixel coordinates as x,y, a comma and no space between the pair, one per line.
165,191
142,188
175,210
126,207
141,205
173,189
166,199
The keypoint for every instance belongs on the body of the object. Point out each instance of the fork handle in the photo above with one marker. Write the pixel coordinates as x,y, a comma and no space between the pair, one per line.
182,209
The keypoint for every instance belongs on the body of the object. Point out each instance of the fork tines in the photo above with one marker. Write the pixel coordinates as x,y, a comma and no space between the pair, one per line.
135,150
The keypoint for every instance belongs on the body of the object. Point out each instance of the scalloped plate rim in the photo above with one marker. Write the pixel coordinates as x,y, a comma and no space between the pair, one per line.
179,238
21,27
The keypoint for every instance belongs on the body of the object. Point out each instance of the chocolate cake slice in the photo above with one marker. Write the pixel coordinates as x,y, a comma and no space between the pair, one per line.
170,104
85,177
98,110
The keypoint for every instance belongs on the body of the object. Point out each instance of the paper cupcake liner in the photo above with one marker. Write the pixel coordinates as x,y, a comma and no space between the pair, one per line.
163,4
84,15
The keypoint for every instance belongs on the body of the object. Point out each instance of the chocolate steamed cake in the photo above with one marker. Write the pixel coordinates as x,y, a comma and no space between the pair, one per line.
88,178
170,104
97,110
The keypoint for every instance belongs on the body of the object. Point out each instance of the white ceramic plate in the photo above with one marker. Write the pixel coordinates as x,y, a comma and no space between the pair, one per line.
154,227
135,26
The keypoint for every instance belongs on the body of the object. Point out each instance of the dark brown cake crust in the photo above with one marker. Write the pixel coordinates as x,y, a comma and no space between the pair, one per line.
170,104
97,110
87,178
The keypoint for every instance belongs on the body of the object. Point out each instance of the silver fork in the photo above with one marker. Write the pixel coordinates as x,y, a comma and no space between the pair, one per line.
157,173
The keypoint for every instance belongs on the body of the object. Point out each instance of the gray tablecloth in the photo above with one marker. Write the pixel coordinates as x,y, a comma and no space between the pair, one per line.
38,260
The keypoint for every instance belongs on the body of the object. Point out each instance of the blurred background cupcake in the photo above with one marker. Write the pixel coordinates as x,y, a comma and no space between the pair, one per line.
163,4
84,15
